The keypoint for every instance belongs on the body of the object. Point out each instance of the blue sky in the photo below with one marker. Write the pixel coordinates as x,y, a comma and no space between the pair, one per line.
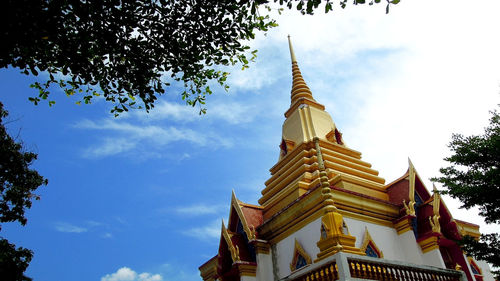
141,196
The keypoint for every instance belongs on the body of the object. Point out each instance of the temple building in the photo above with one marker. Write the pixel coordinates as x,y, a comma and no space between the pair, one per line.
325,214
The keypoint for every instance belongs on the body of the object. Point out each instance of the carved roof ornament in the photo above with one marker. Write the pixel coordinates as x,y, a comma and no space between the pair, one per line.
410,208
299,251
235,253
251,235
368,241
436,201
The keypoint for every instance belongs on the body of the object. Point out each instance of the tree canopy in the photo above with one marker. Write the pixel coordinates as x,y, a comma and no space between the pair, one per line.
128,50
131,51
473,177
14,262
18,183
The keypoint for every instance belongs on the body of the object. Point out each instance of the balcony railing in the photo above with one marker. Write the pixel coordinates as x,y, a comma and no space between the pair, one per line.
343,266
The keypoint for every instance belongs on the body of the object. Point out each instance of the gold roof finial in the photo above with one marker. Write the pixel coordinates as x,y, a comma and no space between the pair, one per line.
410,208
300,90
437,200
292,54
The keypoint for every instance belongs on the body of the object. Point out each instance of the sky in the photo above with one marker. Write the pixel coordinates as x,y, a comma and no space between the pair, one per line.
141,197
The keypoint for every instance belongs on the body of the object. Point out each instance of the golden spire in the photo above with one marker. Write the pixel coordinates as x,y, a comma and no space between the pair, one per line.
292,54
299,86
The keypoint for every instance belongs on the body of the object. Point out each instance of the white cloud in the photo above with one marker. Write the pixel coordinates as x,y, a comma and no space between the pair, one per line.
200,209
168,110
149,277
207,232
399,85
185,156
92,223
70,228
110,146
229,112
123,274
156,134
232,112
127,274
126,137
86,226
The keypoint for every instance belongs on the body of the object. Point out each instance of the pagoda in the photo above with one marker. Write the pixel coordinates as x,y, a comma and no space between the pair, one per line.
325,214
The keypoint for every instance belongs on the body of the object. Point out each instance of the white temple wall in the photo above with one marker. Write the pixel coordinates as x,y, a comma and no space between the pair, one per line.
249,278
393,246
410,248
307,237
386,238
486,272
264,267
434,258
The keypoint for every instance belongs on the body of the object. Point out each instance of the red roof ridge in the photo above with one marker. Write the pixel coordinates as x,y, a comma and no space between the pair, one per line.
250,205
208,261
406,174
465,222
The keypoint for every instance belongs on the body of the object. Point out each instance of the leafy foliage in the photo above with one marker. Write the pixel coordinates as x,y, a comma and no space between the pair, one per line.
14,262
474,178
17,185
123,48
17,180
308,6
130,51
487,249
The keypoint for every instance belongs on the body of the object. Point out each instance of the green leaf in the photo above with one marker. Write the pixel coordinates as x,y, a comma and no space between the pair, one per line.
34,100
328,7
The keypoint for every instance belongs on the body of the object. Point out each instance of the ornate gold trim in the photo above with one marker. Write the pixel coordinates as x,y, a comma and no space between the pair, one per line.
235,203
466,228
472,262
428,244
434,220
235,252
410,208
403,225
246,269
298,250
208,270
335,235
368,240
279,227
261,246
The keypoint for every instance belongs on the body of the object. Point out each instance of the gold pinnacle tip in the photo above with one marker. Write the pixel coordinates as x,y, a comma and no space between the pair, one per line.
292,54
